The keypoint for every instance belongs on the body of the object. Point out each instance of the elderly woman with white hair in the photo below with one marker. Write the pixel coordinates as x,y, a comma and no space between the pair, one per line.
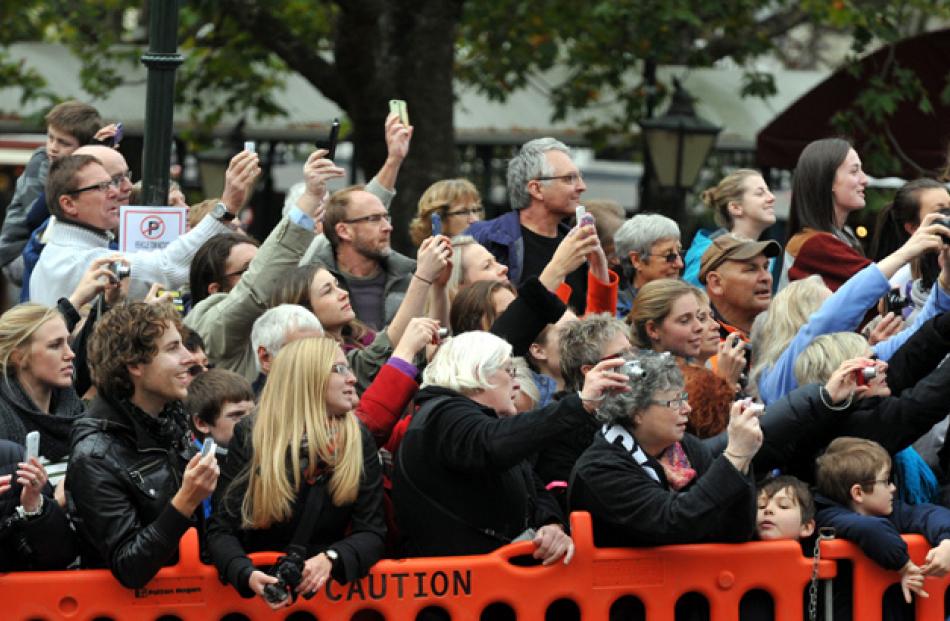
648,247
462,483
647,482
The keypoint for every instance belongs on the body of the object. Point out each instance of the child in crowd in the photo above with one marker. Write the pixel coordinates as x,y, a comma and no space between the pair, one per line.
856,498
786,510
217,400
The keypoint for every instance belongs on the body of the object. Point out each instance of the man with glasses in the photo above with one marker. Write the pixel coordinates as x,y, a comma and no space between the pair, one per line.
649,248
85,198
358,228
544,188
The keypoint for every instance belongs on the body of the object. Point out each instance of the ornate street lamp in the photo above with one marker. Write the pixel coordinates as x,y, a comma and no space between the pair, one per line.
677,143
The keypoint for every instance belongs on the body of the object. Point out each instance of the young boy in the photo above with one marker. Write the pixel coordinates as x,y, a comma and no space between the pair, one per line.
69,125
217,400
856,497
786,510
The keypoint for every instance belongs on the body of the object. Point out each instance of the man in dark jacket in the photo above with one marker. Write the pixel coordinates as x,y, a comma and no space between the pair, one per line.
134,478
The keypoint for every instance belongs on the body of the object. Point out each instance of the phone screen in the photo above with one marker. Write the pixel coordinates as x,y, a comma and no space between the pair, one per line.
436,224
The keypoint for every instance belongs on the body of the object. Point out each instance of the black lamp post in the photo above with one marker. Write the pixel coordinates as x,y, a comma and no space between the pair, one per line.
677,144
162,60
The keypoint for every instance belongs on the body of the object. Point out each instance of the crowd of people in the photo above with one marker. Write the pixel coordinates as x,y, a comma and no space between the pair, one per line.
320,394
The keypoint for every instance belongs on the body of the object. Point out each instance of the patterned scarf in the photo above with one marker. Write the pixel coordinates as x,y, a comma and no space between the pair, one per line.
676,466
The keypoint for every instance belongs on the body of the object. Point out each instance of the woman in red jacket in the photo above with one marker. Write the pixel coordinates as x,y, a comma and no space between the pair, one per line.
827,186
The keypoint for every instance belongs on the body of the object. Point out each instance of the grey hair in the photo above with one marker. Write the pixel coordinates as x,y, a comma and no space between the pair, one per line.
525,379
529,164
639,233
464,363
270,330
582,343
825,354
648,373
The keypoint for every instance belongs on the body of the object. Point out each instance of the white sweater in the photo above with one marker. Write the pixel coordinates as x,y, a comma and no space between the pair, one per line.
71,249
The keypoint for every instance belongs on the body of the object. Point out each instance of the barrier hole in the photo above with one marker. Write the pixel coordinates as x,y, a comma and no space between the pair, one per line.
368,615
562,610
235,616
433,613
301,615
692,606
498,612
103,619
627,608
168,618
893,605
757,604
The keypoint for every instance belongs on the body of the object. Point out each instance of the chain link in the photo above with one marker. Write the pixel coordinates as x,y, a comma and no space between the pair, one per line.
824,534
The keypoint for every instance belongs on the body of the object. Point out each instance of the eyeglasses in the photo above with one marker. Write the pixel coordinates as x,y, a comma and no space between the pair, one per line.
376,218
342,369
670,257
619,354
572,178
885,482
102,186
474,210
122,176
674,404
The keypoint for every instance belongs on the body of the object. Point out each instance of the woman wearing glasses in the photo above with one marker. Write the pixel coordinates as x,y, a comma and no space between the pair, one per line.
648,247
671,316
456,201
462,483
648,482
303,454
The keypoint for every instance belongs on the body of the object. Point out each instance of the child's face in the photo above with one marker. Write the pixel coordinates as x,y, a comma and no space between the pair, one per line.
59,144
780,517
231,413
880,500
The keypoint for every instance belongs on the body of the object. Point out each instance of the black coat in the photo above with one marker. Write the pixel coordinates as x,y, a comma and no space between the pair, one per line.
122,476
629,508
356,531
44,542
19,416
461,470
799,426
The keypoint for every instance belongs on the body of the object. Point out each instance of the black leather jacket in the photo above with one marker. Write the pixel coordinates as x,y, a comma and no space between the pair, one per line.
119,485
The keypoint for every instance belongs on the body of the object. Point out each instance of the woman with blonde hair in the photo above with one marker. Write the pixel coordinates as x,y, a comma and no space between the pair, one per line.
456,201
36,391
742,205
302,476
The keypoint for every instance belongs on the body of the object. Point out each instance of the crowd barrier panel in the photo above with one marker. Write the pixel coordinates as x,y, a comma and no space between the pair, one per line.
461,586
871,580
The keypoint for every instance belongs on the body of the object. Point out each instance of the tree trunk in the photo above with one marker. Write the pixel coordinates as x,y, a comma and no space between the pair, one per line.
401,50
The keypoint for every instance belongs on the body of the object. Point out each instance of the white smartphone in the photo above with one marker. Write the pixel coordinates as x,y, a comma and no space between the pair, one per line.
398,106
581,217
208,447
251,146
32,445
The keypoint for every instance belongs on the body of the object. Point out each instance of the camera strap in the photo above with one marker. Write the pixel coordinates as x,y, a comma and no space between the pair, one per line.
308,519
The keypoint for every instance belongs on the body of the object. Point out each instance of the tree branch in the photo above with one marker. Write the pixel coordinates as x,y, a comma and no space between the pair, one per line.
301,56
768,28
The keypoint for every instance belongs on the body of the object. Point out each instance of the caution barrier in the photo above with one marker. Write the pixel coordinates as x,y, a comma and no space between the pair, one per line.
871,580
463,587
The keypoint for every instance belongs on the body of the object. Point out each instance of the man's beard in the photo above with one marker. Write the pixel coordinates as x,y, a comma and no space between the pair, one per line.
370,252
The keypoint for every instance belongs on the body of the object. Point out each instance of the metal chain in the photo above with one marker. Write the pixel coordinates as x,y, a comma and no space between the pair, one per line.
823,534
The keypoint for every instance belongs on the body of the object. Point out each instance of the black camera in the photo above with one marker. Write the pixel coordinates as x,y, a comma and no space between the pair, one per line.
945,220
289,573
895,301
120,270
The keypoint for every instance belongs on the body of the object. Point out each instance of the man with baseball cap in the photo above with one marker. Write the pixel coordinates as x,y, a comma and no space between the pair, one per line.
737,278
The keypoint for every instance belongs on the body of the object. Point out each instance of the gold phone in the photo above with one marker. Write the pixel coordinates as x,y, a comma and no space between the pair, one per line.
398,106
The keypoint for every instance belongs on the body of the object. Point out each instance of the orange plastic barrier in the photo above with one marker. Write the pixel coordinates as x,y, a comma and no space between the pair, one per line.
462,586
871,580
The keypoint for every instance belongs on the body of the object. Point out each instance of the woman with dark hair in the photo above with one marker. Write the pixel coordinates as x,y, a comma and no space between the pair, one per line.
898,220
315,288
479,305
828,184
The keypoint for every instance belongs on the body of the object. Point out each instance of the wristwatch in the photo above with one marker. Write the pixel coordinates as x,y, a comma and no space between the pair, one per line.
23,514
334,557
221,213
